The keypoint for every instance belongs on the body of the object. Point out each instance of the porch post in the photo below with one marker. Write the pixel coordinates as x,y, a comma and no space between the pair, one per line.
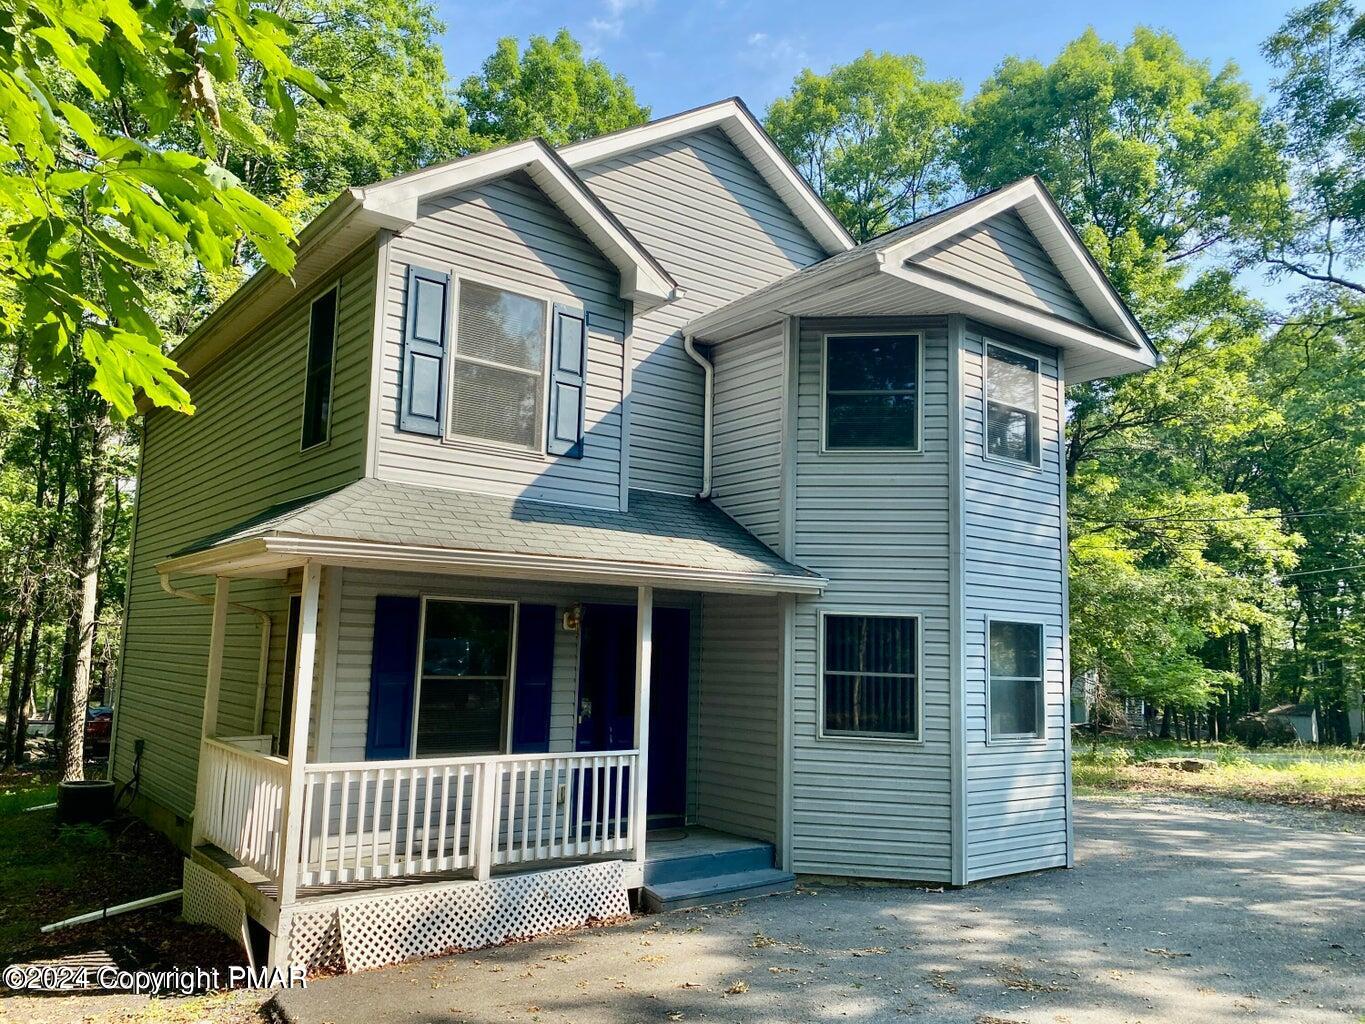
217,637
644,648
213,682
290,819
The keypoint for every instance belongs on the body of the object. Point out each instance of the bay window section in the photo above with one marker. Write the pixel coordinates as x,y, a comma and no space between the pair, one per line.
870,685
1011,406
1016,680
498,370
465,671
871,392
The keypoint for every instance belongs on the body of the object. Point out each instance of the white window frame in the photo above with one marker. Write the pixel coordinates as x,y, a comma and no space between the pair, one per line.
332,376
1038,738
857,739
825,337
469,441
509,688
986,454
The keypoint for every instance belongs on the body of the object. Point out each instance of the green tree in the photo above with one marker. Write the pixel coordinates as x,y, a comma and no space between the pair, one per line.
874,138
549,91
1320,109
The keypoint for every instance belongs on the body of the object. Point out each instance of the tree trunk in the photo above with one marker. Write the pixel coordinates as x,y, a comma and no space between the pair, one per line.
1165,731
91,544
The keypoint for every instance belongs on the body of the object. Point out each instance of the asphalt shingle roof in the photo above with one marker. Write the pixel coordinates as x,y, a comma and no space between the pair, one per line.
659,529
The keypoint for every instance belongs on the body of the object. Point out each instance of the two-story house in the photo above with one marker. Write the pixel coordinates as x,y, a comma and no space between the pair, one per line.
602,521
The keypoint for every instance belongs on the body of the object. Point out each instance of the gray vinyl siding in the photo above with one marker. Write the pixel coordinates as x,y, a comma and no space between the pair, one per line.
740,754
747,432
1001,253
237,455
705,213
350,687
1013,564
876,525
508,233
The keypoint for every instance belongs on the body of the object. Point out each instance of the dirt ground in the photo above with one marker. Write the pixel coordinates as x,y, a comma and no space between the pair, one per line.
1179,909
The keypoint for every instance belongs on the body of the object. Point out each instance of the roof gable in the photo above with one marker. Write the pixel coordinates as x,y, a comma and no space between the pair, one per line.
738,123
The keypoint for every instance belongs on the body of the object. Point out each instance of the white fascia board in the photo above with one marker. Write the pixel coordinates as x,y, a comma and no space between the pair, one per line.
1049,225
733,118
641,278
1035,323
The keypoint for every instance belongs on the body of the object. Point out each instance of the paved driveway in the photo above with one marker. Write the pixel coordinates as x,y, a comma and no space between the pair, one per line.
1178,910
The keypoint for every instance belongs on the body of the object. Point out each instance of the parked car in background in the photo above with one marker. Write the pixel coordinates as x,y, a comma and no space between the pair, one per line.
99,725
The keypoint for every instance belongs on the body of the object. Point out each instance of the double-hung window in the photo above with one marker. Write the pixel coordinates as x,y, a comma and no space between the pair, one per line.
465,672
317,387
1011,405
871,392
870,684
498,370
1016,680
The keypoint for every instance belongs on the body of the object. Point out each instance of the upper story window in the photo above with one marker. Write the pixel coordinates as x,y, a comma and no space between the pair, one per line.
498,371
1016,680
317,388
1012,390
870,685
872,385
466,670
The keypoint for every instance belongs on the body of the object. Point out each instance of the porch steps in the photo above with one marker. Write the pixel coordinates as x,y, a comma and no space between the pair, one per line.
709,867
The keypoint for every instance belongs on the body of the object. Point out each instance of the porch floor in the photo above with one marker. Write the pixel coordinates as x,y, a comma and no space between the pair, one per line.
661,846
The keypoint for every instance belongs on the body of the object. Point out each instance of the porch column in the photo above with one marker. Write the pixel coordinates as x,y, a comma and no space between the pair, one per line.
644,648
290,818
213,683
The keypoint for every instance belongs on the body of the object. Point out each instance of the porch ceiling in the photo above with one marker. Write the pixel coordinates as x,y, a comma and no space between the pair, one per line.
663,540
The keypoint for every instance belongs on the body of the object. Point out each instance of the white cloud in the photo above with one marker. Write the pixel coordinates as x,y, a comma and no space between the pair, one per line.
612,23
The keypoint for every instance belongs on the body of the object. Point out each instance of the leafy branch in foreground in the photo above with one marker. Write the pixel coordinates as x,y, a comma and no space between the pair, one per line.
84,206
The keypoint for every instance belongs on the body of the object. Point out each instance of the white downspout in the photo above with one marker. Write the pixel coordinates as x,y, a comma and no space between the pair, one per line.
709,391
263,617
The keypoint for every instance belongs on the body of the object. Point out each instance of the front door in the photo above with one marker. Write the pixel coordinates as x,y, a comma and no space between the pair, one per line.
606,696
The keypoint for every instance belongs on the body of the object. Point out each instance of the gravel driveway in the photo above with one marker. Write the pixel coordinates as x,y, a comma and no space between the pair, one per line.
1178,910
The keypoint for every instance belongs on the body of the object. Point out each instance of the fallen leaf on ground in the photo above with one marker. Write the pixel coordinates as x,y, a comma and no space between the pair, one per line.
1159,951
737,988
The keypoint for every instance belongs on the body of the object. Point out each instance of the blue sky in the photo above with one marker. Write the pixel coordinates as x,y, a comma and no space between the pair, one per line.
679,55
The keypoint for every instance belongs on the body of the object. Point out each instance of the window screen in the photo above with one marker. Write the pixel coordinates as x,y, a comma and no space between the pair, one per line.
1016,679
317,389
872,391
1011,405
466,663
499,367
870,678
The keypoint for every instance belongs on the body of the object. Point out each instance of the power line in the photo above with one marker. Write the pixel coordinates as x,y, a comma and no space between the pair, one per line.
1318,572
1221,519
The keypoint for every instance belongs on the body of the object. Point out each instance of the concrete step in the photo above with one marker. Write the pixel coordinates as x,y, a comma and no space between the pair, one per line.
733,858
696,892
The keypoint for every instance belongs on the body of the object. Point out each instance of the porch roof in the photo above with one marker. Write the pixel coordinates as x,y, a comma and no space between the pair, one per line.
663,540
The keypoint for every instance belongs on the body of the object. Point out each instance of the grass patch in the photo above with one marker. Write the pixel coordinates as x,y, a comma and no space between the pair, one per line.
49,872
1332,779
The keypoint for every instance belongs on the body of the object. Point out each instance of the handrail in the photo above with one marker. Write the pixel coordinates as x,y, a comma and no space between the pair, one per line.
438,762
232,748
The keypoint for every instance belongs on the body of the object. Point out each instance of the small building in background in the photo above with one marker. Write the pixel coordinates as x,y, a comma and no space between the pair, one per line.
1303,718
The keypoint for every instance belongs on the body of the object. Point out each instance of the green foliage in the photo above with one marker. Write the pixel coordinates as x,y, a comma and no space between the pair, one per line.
548,90
1160,155
85,204
874,137
1320,53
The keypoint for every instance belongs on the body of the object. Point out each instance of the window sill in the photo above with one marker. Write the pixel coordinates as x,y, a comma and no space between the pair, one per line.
1023,467
846,740
1017,741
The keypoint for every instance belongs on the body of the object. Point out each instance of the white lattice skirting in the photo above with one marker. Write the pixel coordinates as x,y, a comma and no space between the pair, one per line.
373,930
209,899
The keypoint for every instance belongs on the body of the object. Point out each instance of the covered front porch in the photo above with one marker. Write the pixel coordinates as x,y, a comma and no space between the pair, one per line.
438,741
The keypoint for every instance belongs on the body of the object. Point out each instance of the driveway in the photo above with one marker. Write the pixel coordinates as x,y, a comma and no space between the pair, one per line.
1178,910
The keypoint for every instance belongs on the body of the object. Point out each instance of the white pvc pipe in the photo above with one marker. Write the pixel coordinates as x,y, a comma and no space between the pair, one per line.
709,391
263,669
122,908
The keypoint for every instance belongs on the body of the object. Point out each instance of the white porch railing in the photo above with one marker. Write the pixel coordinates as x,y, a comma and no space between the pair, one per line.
241,793
369,820
385,819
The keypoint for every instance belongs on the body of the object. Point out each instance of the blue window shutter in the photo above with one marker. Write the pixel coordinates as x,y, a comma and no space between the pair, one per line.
425,333
535,679
393,674
568,370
